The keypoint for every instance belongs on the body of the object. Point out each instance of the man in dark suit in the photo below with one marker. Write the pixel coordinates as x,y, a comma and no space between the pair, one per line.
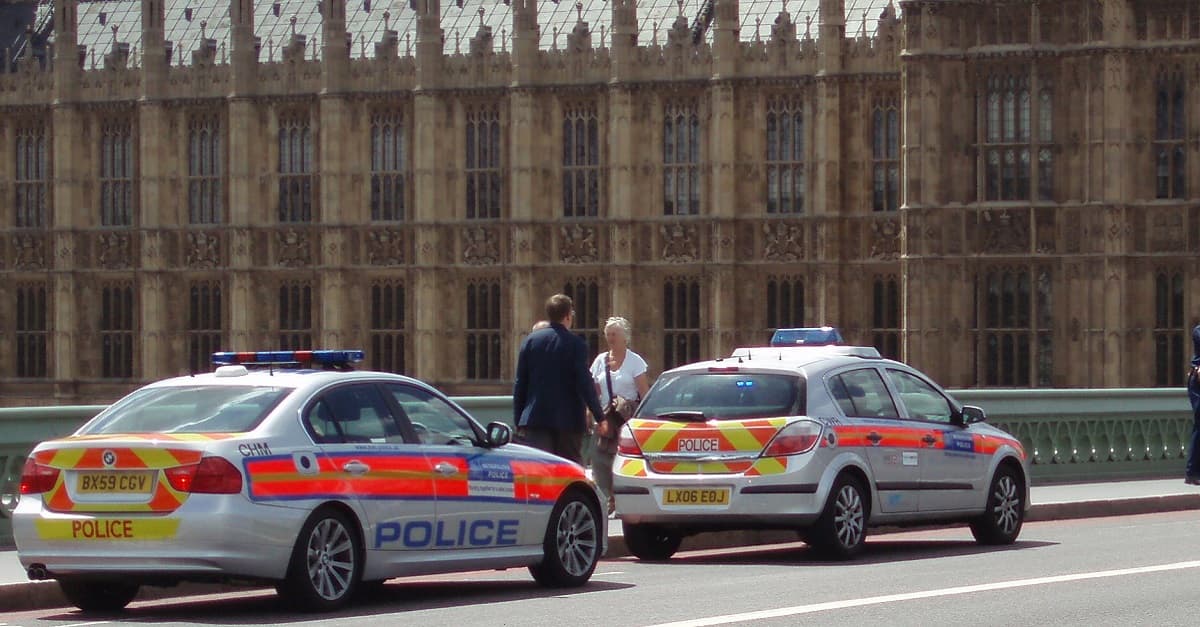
553,385
1192,470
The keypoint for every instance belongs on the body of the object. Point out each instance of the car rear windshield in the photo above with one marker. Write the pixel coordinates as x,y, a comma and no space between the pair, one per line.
724,396
196,409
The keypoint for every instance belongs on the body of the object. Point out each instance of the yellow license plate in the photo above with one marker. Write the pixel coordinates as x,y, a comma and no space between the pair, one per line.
702,497
114,482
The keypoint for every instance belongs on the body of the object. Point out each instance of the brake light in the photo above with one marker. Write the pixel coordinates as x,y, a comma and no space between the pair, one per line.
799,437
626,444
722,368
212,475
37,478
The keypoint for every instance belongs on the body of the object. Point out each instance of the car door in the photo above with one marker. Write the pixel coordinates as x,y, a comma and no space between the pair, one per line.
479,502
873,421
951,469
369,457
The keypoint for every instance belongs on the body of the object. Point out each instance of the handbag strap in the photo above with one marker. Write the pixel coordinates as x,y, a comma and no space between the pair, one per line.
612,398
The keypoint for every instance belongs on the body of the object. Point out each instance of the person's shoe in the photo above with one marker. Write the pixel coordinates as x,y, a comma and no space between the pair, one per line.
1192,480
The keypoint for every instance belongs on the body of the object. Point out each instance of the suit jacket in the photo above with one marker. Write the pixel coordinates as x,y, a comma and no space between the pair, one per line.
553,383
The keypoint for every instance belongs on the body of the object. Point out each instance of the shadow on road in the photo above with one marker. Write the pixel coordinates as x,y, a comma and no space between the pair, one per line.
264,607
879,551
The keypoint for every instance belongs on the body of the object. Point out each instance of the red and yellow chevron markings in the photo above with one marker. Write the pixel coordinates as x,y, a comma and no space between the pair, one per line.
717,436
121,461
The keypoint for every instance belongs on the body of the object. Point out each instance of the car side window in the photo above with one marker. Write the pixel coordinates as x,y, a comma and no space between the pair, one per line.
862,393
922,400
352,413
433,419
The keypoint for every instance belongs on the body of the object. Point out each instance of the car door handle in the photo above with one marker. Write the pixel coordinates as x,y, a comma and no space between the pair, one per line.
874,437
929,439
445,468
355,467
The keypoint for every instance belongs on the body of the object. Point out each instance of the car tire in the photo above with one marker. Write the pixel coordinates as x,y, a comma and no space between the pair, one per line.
1001,522
841,530
572,545
651,542
326,563
98,596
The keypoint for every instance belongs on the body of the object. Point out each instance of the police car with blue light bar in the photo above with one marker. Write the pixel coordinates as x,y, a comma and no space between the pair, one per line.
828,440
290,468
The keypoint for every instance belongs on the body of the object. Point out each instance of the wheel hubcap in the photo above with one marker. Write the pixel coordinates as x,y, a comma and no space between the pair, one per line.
330,559
848,517
577,538
1008,505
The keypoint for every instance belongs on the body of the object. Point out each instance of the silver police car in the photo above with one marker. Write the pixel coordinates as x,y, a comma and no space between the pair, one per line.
824,440
311,477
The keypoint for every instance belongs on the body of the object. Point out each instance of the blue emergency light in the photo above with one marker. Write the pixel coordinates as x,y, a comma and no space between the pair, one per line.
324,357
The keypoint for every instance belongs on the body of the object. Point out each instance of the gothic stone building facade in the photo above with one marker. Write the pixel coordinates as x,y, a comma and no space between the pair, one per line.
1001,192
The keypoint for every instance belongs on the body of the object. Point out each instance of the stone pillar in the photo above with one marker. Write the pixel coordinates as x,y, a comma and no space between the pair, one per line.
335,51
68,199
827,186
248,318
428,320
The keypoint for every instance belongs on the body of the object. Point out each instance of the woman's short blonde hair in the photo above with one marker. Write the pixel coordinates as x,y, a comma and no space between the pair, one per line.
620,323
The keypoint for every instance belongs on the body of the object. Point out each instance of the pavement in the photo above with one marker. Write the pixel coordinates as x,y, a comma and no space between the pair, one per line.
1048,502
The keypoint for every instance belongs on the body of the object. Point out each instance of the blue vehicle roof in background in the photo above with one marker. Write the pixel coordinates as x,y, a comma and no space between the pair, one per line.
808,336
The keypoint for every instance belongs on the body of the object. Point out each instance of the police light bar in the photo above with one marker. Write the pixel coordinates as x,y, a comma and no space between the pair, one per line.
328,357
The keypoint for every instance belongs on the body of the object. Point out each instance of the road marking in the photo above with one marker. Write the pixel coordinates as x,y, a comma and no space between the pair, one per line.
95,622
926,594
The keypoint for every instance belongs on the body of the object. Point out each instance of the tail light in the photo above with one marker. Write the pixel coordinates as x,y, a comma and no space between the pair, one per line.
37,478
212,475
626,445
799,437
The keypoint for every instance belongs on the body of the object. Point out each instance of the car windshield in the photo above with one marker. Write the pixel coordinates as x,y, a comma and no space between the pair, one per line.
192,409
724,396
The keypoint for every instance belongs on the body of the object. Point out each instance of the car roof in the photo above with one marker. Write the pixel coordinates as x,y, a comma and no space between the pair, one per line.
793,360
279,377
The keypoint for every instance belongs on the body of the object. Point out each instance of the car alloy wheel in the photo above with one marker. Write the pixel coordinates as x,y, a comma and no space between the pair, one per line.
571,547
577,539
330,559
1001,522
848,516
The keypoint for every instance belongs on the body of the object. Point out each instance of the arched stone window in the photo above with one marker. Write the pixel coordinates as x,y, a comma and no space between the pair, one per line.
1017,115
32,335
785,155
295,314
31,206
681,321
1169,329
484,174
1014,342
785,303
885,315
1170,136
885,154
297,192
117,327
389,166
681,158
388,329
117,189
483,330
206,322
585,292
581,173
205,165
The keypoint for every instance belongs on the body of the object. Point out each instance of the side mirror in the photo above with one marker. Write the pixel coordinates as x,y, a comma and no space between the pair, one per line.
972,414
498,434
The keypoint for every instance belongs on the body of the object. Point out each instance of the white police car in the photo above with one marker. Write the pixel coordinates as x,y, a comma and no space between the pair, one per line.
315,479
824,440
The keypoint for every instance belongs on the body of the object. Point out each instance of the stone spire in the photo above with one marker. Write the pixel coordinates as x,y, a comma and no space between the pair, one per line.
335,45
429,41
832,16
725,38
154,49
624,38
68,58
245,46
525,40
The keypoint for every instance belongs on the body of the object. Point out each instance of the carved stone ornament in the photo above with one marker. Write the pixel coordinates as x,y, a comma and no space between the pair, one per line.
203,250
294,249
885,239
783,242
1004,232
679,243
481,246
115,251
385,247
29,252
1167,231
577,244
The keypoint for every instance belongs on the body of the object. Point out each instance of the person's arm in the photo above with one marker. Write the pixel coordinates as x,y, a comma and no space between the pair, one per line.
639,378
519,384
585,383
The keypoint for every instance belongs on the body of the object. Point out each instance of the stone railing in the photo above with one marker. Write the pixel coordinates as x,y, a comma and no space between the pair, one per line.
1071,435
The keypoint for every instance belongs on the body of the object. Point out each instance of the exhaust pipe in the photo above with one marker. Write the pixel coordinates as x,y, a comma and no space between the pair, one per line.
37,572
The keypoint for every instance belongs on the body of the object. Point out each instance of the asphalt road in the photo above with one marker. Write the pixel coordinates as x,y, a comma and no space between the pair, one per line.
1118,570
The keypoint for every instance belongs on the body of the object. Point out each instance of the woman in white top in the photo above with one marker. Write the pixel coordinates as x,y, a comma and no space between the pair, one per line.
627,371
